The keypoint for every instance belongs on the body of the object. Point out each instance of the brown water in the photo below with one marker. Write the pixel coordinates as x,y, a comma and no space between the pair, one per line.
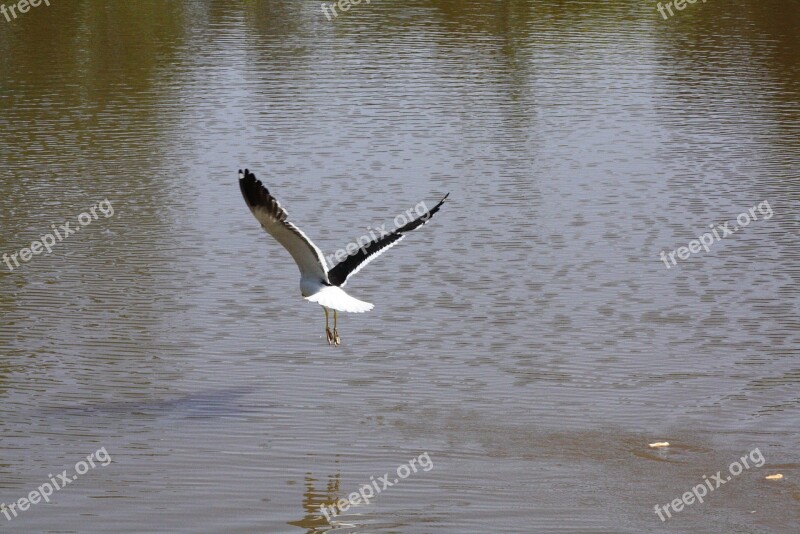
529,339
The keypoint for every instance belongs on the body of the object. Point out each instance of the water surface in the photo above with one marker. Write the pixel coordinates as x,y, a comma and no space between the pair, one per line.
529,339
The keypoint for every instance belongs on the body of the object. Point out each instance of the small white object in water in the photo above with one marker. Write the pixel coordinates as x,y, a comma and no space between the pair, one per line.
659,444
774,477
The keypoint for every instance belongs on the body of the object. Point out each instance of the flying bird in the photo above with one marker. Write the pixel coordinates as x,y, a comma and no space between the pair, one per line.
318,282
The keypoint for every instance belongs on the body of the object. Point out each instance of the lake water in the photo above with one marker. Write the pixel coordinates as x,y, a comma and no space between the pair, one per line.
530,340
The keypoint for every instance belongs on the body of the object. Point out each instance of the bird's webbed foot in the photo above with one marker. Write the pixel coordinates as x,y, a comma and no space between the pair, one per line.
329,334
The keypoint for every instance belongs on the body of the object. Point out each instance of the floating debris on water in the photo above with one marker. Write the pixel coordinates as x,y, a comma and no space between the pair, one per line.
659,444
777,476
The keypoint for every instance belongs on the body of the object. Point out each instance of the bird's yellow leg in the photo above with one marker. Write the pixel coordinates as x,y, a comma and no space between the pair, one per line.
328,332
336,339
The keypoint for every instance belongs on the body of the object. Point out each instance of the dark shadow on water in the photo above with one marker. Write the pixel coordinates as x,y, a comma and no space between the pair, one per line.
200,405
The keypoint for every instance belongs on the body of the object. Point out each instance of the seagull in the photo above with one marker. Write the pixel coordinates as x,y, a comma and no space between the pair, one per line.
318,282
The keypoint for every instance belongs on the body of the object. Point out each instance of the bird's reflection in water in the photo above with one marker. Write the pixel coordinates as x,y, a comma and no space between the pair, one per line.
314,521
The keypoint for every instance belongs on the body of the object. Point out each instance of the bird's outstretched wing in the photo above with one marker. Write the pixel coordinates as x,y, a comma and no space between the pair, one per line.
273,219
360,258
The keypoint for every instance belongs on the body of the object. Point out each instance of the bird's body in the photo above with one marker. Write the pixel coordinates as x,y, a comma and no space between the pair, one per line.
320,283
335,298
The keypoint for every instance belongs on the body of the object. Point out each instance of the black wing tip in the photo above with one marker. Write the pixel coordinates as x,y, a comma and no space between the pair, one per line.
442,201
254,192
434,209
339,273
246,175
248,180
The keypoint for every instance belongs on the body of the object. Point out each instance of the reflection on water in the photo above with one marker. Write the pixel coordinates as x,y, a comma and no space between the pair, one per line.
314,498
529,338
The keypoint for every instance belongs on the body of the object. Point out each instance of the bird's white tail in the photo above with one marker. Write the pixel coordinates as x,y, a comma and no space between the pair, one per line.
336,299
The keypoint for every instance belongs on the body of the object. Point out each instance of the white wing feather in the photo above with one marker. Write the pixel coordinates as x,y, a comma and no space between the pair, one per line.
274,219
